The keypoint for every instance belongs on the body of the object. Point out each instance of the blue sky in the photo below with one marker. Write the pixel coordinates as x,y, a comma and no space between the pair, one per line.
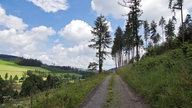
58,31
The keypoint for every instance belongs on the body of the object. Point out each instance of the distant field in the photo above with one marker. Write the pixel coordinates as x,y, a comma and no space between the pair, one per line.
13,69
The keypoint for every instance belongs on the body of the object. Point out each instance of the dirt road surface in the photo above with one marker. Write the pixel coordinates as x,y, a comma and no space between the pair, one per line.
125,95
98,96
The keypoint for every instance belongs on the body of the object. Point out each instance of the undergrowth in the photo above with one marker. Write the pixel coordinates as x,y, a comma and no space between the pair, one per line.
164,80
71,96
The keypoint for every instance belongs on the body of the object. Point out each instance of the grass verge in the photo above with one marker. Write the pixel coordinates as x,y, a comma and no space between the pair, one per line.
165,80
66,97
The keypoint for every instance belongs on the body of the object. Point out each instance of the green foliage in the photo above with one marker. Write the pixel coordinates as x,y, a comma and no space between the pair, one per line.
6,76
164,80
15,78
28,62
117,47
187,49
71,96
92,66
101,40
32,84
163,48
6,91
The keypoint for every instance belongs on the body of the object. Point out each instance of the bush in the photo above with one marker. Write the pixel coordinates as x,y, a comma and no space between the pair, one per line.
32,84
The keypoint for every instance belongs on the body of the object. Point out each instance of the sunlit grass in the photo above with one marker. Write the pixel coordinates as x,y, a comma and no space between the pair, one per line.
71,96
165,80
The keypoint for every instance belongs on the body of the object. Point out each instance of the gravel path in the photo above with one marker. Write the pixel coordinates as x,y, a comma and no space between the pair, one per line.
126,95
98,96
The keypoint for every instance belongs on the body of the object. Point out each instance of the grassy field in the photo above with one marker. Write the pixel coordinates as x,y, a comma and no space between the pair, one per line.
165,81
13,69
70,96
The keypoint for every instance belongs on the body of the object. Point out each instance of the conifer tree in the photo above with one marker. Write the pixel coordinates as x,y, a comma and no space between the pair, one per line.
146,32
102,39
162,23
134,15
178,5
117,47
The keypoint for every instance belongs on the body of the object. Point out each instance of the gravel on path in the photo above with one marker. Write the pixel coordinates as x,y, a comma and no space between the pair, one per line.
127,96
98,96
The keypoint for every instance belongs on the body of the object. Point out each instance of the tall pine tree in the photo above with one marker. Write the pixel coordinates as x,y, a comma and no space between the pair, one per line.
162,23
117,47
146,32
178,5
102,39
134,15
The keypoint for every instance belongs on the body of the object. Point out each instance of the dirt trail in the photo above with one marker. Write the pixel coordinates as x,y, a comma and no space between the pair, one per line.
98,96
127,97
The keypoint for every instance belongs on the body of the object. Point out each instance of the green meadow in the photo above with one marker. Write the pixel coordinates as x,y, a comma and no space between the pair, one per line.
13,69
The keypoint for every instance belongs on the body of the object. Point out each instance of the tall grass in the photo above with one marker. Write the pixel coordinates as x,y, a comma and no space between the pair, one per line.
71,96
165,80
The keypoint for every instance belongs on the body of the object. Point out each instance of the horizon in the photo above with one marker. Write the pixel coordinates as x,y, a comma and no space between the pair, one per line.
58,32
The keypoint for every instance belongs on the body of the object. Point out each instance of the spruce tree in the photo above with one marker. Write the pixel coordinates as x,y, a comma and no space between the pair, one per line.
146,32
162,23
102,39
117,47
178,5
133,16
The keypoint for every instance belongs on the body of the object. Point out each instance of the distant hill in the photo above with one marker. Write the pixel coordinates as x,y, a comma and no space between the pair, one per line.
8,57
59,69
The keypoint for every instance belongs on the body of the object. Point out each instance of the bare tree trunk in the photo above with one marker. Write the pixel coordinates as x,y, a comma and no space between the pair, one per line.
122,59
31,99
182,23
116,60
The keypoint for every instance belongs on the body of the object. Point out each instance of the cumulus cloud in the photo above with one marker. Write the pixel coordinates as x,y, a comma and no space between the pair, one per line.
76,56
25,40
10,21
76,31
79,55
111,8
153,9
34,43
16,37
51,5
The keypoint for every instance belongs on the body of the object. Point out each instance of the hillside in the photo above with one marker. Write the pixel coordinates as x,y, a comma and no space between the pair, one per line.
8,57
13,69
164,80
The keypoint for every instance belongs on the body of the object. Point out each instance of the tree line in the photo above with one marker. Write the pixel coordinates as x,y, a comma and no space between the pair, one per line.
128,42
28,62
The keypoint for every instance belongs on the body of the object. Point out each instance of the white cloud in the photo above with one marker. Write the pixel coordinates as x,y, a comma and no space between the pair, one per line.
111,7
76,56
51,5
10,21
79,55
25,40
76,31
34,43
152,9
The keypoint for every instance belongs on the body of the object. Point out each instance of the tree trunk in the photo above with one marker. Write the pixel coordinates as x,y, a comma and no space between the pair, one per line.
183,38
31,98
